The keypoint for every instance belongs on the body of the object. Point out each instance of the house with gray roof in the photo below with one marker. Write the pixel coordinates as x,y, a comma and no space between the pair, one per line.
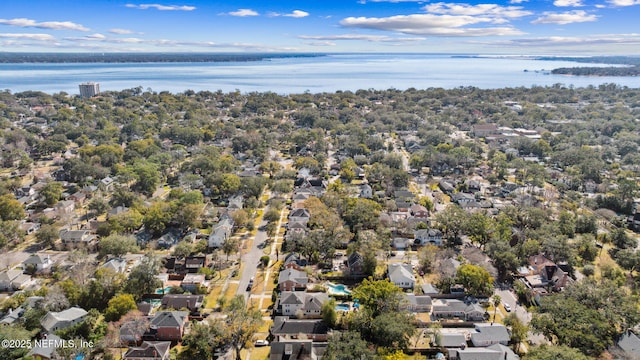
44,350
629,343
489,334
401,275
427,236
452,340
297,350
193,303
416,303
149,350
456,309
11,280
220,233
285,328
38,262
294,303
117,265
169,325
291,279
54,321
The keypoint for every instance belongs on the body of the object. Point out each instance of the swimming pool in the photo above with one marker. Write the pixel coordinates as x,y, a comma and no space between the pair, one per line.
338,289
343,307
163,291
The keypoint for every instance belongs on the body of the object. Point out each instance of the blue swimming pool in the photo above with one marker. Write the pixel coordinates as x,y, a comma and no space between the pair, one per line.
343,307
166,290
338,289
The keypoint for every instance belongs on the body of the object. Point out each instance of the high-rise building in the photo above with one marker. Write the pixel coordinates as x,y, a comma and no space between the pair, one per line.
89,89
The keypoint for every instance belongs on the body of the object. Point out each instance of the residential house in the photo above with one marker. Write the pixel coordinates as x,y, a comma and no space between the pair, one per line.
419,211
446,186
193,303
629,343
38,262
484,130
65,207
454,340
220,233
191,282
494,352
54,321
29,227
149,350
297,350
107,183
12,316
544,273
456,309
168,239
194,263
366,192
236,202
428,236
401,243
168,325
462,198
132,331
117,265
45,350
296,303
355,263
417,303
292,280
300,216
78,198
75,238
11,280
401,275
489,334
285,328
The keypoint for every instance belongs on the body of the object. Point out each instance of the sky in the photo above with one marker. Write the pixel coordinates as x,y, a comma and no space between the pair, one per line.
520,27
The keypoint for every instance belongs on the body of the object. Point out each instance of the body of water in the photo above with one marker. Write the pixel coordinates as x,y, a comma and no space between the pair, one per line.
296,75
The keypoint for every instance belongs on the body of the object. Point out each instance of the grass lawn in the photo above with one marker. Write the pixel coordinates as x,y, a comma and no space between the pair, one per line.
212,297
232,289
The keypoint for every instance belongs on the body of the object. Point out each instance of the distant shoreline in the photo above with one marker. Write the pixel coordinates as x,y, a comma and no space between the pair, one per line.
60,58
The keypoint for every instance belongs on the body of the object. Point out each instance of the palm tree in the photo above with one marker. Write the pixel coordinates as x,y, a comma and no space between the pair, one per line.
496,302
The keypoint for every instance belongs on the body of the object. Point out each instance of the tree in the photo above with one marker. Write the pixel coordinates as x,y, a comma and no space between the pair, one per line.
497,299
241,324
10,208
347,345
16,334
51,192
118,306
142,279
147,176
98,205
240,218
452,221
329,314
47,235
117,245
476,280
230,246
183,249
393,330
157,217
518,330
362,214
201,340
554,352
479,227
272,215
378,296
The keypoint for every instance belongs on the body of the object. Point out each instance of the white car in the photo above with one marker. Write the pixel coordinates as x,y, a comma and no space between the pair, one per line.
261,343
507,307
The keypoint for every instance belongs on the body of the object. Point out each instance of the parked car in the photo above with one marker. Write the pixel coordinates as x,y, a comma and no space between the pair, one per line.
261,343
507,307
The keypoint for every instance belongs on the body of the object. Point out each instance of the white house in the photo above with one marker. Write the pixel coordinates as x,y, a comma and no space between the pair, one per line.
427,236
402,276
38,261
13,280
293,303
220,233
54,321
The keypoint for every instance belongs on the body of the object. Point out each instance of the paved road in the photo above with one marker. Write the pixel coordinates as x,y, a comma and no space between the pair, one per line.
250,261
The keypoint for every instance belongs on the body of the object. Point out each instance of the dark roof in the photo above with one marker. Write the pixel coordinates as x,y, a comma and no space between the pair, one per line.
148,349
182,301
283,325
291,350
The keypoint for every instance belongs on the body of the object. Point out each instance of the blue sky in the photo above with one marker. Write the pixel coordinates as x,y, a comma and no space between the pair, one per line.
557,27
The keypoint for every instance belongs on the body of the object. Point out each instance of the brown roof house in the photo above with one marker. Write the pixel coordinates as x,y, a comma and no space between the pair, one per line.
193,303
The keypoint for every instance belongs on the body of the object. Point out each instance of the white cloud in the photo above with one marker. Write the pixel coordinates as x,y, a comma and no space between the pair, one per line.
161,7
321,43
566,3
517,1
569,17
244,12
38,37
429,24
52,25
362,37
297,14
293,14
624,2
493,10
121,31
